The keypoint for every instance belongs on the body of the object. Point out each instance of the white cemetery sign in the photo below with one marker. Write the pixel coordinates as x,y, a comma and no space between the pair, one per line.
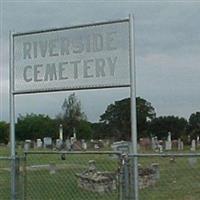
92,56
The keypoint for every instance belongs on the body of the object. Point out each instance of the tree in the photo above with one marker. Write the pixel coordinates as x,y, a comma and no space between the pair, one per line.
4,132
72,117
145,113
117,118
84,130
162,125
100,130
194,125
32,126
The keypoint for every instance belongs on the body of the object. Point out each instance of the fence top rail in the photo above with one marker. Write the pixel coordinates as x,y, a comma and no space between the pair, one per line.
74,152
11,158
165,155
5,158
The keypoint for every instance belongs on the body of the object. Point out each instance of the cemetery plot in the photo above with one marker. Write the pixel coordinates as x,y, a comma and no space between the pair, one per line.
50,177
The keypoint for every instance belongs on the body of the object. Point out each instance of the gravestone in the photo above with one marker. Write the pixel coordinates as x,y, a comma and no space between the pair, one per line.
122,146
179,144
76,146
153,143
96,146
72,140
168,143
193,145
84,145
198,141
27,145
61,132
59,143
38,143
47,142
107,143
144,143
68,145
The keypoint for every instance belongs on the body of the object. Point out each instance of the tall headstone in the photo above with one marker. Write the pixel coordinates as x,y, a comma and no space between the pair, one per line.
198,141
61,132
169,138
193,146
179,144
153,143
74,134
168,143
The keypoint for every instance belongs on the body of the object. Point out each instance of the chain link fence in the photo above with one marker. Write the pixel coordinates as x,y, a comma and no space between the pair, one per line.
101,176
72,175
166,177
5,178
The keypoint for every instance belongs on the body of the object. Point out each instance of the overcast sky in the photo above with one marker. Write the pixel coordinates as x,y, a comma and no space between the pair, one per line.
167,53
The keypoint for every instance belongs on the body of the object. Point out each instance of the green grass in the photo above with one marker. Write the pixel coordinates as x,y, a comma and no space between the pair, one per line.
178,180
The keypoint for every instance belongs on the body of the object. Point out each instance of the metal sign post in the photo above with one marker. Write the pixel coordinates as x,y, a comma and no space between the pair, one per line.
133,109
12,120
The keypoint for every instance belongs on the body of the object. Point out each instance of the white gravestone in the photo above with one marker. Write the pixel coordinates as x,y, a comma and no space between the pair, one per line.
193,146
61,132
84,145
47,142
27,145
39,143
168,143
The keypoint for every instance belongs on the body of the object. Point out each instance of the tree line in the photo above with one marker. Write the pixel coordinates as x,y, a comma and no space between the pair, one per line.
114,123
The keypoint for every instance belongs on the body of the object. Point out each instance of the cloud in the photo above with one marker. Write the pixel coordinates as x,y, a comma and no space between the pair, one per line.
167,52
